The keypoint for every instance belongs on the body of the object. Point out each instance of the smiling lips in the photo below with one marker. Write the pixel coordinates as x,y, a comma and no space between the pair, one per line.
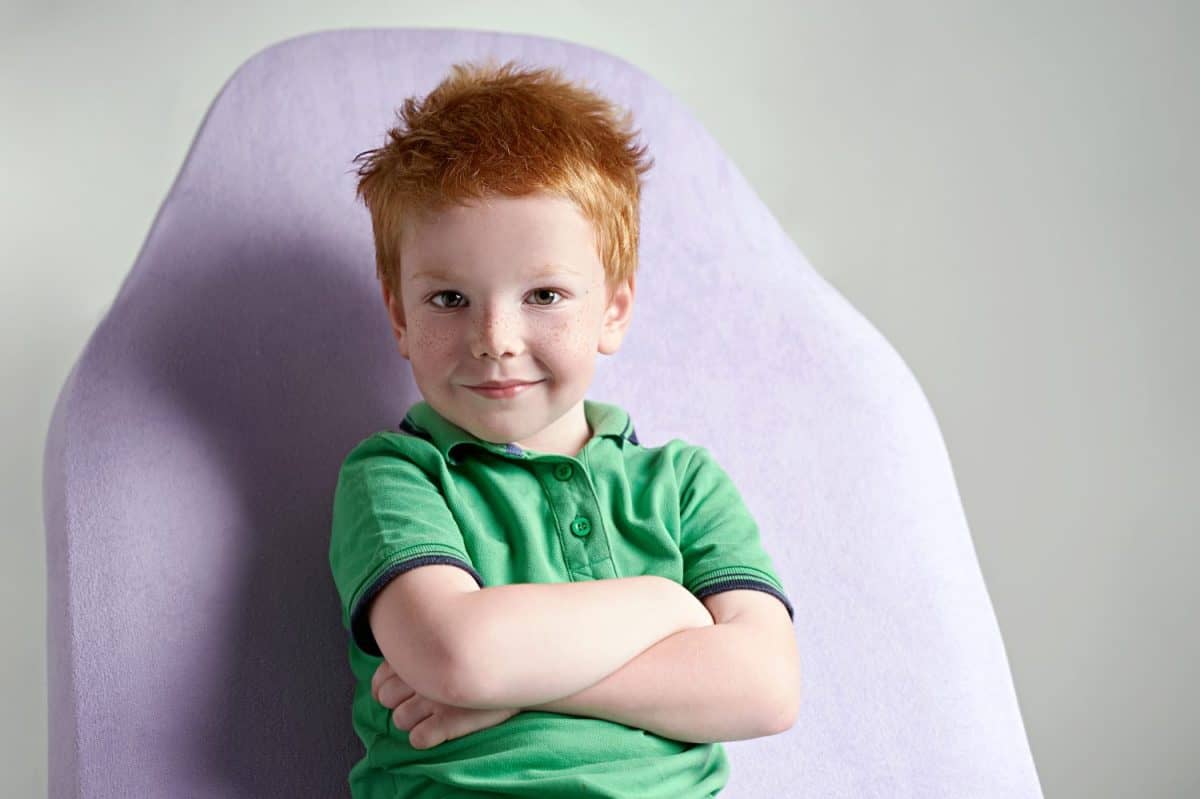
502,390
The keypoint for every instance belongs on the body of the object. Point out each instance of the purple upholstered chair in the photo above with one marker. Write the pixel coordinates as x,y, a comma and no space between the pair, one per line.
195,644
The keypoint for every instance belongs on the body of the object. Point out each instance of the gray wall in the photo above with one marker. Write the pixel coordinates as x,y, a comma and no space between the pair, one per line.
1003,189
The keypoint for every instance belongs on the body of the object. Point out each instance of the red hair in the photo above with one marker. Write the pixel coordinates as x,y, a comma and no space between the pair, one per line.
487,130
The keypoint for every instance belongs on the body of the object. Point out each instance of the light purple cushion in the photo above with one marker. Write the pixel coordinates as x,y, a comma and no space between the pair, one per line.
195,645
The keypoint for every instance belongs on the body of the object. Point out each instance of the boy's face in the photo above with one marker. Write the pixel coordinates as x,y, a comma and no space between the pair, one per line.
509,288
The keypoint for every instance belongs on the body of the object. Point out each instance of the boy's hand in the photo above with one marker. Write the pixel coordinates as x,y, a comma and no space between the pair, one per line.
429,722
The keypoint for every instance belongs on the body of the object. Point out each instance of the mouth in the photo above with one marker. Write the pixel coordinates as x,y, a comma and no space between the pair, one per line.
502,390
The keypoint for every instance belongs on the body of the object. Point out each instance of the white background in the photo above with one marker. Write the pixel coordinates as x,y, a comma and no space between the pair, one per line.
1008,191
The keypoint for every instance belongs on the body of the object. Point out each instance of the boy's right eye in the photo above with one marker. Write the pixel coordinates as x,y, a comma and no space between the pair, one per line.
439,294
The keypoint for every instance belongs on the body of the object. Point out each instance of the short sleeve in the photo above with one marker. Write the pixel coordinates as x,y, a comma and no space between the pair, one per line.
719,539
389,516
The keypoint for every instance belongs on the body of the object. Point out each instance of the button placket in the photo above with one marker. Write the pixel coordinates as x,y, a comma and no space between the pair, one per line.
585,550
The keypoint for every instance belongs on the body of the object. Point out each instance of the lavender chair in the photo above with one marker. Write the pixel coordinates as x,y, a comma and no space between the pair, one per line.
195,644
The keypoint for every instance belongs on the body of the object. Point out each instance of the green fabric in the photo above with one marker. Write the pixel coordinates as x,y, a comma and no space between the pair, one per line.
434,493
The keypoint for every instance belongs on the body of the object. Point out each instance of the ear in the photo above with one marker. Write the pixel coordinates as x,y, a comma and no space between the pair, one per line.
396,318
617,317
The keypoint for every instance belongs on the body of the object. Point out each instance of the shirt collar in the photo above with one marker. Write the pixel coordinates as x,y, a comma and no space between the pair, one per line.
422,420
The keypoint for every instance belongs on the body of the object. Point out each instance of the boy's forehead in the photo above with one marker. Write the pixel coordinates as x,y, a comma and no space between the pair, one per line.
432,273
519,237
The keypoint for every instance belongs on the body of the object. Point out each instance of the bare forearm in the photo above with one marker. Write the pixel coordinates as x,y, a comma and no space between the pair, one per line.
530,643
697,685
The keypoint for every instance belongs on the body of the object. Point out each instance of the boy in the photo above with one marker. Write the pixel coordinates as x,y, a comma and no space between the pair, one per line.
538,605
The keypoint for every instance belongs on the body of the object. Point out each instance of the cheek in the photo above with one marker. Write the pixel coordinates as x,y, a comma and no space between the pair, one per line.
432,338
569,334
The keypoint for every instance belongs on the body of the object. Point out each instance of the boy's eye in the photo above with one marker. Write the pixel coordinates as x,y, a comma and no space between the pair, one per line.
535,292
545,291
439,294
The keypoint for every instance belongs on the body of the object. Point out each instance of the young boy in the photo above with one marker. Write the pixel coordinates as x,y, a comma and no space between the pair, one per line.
538,605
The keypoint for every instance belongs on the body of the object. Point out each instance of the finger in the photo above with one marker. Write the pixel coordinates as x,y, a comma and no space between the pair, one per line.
429,732
393,691
411,712
382,673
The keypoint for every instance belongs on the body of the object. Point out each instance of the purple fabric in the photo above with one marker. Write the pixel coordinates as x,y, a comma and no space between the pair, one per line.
195,646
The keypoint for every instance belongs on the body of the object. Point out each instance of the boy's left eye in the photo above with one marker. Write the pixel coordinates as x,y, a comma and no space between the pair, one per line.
545,291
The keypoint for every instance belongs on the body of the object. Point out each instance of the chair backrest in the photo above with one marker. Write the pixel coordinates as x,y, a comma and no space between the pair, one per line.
195,646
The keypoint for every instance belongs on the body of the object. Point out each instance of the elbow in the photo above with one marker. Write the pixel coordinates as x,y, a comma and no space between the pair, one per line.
434,671
481,668
464,681
434,678
460,686
781,718
782,713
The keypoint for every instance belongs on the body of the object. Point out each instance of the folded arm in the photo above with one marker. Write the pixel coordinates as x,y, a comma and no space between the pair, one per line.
737,679
524,644
640,651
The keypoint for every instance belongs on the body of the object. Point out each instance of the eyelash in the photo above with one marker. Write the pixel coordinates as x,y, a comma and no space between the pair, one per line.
558,292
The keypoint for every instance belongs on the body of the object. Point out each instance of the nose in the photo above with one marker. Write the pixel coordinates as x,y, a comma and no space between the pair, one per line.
496,333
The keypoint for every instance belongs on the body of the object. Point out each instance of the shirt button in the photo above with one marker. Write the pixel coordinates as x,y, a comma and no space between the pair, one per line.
581,526
563,471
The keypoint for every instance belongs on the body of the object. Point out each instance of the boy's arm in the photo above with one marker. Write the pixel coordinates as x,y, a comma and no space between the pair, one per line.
527,643
737,679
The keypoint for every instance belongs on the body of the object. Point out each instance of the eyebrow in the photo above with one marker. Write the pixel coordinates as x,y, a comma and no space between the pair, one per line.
548,270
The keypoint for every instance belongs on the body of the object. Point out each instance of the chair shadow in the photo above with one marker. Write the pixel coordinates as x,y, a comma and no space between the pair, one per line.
282,363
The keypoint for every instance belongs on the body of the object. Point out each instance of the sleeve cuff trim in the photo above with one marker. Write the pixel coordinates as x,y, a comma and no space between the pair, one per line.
730,584
360,626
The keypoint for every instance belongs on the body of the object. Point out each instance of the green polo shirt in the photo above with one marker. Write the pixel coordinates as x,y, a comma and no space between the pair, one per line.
432,492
